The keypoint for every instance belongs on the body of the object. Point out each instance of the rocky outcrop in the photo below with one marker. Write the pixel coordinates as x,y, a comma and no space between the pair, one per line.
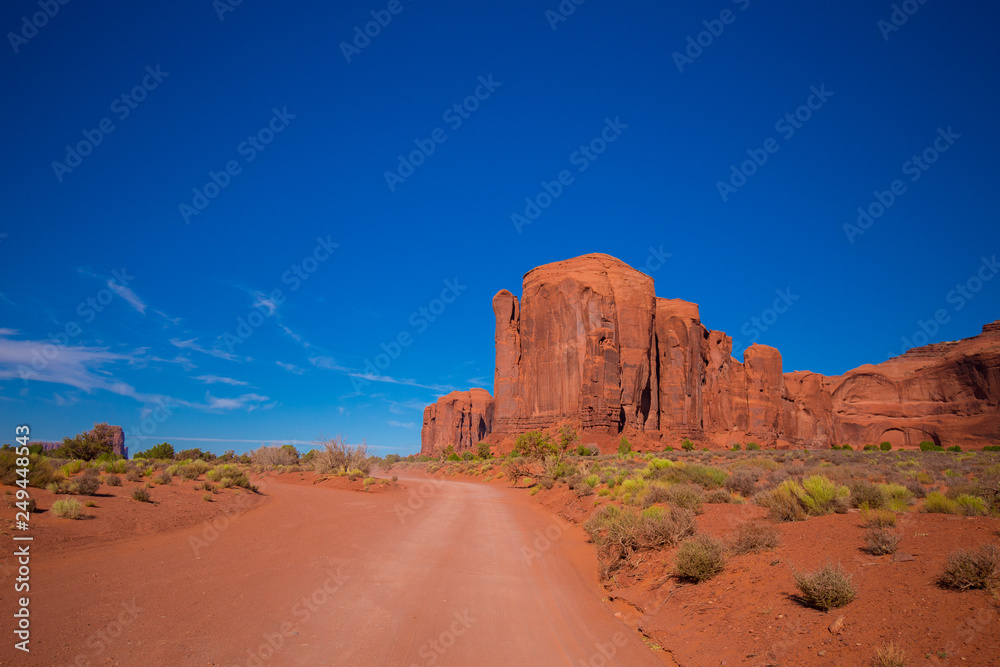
590,344
461,419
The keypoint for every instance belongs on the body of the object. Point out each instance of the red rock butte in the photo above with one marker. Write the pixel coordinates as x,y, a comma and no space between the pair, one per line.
590,345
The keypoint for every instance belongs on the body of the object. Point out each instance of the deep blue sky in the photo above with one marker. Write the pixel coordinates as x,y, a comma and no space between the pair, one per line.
163,336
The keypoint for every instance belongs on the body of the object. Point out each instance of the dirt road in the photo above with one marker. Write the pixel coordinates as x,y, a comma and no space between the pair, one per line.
443,573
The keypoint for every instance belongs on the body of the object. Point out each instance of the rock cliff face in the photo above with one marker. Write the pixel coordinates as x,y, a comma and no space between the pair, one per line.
590,344
461,419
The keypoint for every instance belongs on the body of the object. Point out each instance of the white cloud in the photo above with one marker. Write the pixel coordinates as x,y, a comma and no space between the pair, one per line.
402,424
127,294
291,368
329,363
192,344
249,401
216,379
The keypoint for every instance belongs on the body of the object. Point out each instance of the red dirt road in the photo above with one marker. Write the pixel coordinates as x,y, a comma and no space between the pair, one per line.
438,573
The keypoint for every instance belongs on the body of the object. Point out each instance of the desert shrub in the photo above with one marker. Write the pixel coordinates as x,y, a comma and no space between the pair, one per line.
72,468
687,445
620,532
991,448
624,447
865,493
752,446
782,502
86,485
113,480
879,541
877,518
937,503
927,446
718,496
188,472
869,448
700,558
736,447
514,470
823,496
557,467
688,496
954,448
971,505
827,588
885,446
632,489
164,450
141,494
743,482
163,477
483,450
971,569
889,654
207,497
653,492
754,536
584,490
133,476
915,488
336,455
706,476
67,509
115,467
898,497
591,480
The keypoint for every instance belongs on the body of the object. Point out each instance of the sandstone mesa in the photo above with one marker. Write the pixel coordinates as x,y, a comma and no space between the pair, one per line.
589,344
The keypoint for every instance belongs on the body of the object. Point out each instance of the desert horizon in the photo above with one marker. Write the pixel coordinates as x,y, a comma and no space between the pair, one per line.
536,333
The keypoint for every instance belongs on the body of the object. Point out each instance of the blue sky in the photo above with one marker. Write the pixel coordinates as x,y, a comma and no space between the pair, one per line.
252,141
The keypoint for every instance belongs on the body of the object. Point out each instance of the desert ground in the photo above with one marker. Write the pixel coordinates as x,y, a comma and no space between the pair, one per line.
514,560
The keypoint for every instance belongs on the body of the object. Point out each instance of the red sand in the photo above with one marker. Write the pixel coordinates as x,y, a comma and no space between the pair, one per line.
426,573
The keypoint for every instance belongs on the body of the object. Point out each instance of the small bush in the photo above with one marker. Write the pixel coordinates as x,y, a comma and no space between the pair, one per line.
624,447
188,472
978,568
782,503
865,493
879,541
113,480
823,496
827,588
67,509
133,476
877,519
991,448
718,496
620,532
753,537
971,505
927,446
162,478
591,480
700,558
87,485
954,448
885,446
937,503
743,482
688,496
141,494
207,497
889,654
752,446
687,445
898,497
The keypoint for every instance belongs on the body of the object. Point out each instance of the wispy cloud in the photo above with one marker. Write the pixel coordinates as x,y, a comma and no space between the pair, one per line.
291,368
249,401
329,363
126,293
402,424
192,344
217,379
261,300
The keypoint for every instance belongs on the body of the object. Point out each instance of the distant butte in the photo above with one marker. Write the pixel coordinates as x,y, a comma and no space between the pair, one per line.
589,344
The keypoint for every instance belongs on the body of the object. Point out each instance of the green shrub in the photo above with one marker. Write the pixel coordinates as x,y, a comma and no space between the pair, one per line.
688,496
736,447
699,558
823,496
624,447
484,451
753,537
827,588
141,494
163,477
782,502
864,493
847,448
705,476
164,450
971,505
752,446
113,480
898,497
954,448
879,541
927,446
534,445
188,472
937,503
977,568
876,518
885,446
991,448
72,468
869,448
591,480
687,445
67,509
620,532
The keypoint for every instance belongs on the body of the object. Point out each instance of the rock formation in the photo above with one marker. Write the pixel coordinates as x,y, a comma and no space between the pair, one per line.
590,344
461,419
